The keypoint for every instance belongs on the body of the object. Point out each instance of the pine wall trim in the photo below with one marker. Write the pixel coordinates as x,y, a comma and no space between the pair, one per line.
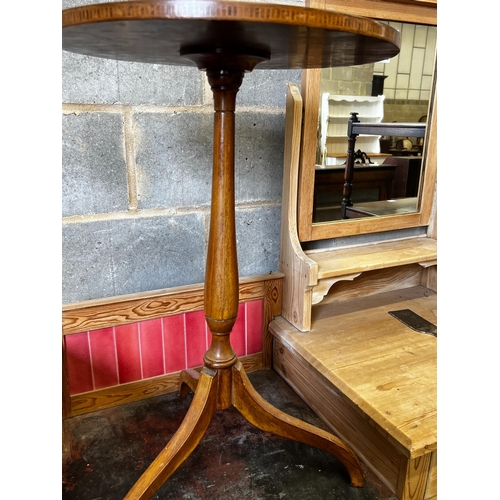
127,309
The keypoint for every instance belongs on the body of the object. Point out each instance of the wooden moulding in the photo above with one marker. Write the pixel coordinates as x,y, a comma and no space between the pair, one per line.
346,264
114,311
121,310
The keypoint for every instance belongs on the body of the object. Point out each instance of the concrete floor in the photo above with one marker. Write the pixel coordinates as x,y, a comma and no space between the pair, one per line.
111,448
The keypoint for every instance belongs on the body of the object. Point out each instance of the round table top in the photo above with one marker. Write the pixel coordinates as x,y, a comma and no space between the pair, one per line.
275,36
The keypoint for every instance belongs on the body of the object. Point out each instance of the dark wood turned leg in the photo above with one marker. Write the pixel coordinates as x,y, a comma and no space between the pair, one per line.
183,442
349,168
266,417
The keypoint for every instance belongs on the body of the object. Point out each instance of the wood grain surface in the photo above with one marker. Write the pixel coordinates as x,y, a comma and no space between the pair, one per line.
372,379
383,255
169,31
121,310
380,364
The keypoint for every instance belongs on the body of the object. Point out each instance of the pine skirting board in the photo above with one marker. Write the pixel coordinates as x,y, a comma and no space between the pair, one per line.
118,371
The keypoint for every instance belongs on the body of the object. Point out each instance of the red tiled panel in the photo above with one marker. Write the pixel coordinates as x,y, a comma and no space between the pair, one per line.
254,314
174,343
78,363
155,347
196,338
102,349
128,351
151,347
237,336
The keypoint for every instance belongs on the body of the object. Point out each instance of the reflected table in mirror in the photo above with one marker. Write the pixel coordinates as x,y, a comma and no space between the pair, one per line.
226,40
407,175
372,183
356,128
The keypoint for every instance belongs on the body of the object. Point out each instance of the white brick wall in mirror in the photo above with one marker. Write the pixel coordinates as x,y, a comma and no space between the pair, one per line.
409,74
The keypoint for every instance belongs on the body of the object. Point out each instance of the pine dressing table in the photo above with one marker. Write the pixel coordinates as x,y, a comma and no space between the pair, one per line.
226,39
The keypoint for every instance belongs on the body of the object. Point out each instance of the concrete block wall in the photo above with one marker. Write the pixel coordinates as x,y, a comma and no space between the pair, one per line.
405,110
349,80
136,174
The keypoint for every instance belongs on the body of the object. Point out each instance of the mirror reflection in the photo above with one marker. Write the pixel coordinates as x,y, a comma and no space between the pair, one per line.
387,169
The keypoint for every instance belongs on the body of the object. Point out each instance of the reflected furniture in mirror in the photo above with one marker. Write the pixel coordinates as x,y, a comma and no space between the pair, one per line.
407,200
417,22
338,342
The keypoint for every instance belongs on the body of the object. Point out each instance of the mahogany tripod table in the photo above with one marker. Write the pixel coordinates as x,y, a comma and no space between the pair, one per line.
226,39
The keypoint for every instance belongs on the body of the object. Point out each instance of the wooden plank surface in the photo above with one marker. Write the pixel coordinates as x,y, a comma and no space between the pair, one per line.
414,478
375,447
381,255
384,367
431,489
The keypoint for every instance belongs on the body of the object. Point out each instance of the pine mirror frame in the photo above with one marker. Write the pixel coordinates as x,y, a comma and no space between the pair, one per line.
423,12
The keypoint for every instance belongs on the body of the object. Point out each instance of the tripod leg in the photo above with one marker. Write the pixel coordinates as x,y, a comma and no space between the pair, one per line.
183,442
188,380
266,417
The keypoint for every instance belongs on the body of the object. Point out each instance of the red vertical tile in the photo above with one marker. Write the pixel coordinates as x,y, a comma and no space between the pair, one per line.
174,343
102,349
128,351
196,338
238,342
78,363
254,315
151,347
